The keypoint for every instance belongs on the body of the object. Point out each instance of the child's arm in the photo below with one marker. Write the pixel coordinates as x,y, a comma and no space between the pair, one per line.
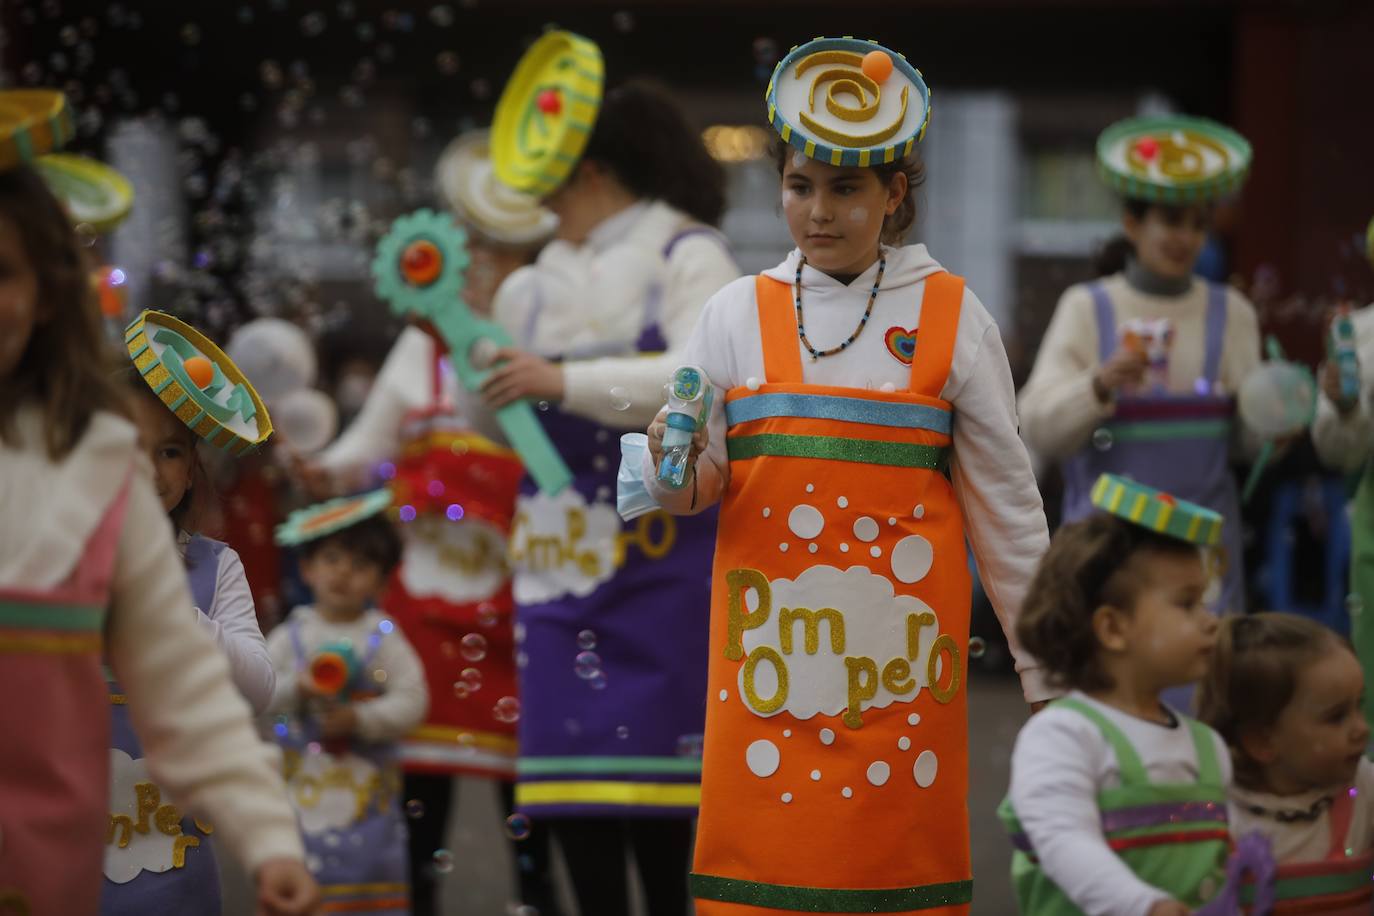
403,382
397,712
233,622
1059,406
193,724
997,493
1054,786
709,348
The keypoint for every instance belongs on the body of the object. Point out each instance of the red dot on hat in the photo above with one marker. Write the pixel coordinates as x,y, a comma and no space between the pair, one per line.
1147,147
421,262
550,102
1167,499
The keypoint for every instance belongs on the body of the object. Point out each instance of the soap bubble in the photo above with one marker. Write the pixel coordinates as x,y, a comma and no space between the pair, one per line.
620,398
622,732
507,710
587,665
443,861
976,647
447,62
518,826
474,647
586,640
1102,439
415,809
312,24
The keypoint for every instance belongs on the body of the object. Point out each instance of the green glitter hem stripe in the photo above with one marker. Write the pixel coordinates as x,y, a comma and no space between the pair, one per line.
830,899
836,448
1311,886
540,765
1165,432
51,617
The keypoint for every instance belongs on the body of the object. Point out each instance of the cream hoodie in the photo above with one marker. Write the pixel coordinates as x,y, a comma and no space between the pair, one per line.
993,482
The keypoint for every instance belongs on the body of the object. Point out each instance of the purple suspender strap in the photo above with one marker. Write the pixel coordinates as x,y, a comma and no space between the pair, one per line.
1216,330
1106,322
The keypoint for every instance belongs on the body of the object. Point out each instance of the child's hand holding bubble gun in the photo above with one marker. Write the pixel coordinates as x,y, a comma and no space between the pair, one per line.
672,442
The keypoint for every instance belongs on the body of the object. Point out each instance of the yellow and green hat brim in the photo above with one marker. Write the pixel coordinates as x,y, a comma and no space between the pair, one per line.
830,149
325,518
534,151
1202,141
33,123
93,193
191,405
1157,511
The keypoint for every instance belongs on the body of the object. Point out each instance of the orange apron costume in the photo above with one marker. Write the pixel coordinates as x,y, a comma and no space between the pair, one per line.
835,768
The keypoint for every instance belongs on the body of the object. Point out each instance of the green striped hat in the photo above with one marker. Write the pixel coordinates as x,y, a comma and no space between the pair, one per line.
327,517
1157,510
1172,160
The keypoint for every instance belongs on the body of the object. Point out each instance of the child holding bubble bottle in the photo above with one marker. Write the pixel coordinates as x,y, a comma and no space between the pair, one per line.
1139,370
847,380
1117,804
89,572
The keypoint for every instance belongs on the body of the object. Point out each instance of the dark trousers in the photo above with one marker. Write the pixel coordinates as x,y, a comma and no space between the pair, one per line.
596,851
428,833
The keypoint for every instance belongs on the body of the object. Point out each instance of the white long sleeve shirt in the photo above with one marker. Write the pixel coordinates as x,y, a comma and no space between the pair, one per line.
193,725
233,622
404,699
1060,763
993,481
1345,443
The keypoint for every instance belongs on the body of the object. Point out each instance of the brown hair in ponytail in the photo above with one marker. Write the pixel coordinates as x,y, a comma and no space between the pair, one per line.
1254,674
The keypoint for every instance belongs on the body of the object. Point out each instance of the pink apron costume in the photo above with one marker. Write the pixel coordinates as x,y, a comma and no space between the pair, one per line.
614,622
52,793
1179,443
155,860
346,793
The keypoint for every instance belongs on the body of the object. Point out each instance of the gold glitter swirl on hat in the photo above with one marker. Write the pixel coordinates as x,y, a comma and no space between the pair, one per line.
854,83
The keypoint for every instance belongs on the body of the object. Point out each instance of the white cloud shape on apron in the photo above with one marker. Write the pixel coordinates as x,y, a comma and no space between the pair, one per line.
325,789
150,851
561,545
875,627
460,562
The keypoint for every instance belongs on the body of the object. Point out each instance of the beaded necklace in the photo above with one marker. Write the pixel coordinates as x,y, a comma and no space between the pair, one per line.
868,312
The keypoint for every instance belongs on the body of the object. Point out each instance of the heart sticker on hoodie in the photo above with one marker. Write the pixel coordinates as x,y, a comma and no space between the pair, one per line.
901,343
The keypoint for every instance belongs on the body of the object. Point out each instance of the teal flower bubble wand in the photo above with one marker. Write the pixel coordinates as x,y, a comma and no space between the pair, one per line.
418,270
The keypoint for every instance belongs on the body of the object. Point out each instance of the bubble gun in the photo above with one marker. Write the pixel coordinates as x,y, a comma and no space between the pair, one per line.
689,407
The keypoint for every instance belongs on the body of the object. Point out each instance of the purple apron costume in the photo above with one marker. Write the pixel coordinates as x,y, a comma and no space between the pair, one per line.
1179,443
346,795
155,860
611,631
